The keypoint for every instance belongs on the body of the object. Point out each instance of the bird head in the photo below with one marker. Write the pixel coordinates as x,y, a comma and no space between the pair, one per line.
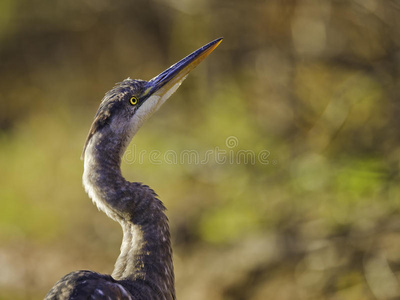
131,102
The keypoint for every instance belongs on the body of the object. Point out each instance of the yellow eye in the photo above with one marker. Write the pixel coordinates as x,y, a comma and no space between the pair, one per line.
133,100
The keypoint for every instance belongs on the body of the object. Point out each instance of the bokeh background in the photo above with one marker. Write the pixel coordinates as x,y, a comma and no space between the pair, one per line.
301,96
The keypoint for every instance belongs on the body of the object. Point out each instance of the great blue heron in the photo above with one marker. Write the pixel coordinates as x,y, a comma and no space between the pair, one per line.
144,268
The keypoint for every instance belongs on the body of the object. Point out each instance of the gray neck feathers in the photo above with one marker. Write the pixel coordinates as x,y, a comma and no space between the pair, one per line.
146,254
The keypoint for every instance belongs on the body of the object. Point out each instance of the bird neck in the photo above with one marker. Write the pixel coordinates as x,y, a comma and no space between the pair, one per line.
146,253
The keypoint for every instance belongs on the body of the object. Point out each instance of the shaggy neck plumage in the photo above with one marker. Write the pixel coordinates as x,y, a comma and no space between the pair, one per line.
146,253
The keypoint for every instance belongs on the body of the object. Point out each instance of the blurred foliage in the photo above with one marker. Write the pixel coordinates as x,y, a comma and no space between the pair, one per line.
311,85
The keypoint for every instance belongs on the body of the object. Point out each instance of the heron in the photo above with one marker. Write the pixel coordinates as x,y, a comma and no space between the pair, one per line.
144,268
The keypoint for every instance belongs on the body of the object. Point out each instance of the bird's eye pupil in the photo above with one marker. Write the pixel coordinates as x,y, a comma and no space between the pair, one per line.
133,100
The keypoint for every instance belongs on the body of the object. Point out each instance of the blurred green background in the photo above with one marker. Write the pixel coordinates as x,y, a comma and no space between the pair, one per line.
309,89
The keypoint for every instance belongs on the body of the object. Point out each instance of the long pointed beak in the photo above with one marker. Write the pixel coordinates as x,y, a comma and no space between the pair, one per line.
168,81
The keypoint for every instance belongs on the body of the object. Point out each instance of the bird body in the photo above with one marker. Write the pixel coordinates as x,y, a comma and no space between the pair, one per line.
144,268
